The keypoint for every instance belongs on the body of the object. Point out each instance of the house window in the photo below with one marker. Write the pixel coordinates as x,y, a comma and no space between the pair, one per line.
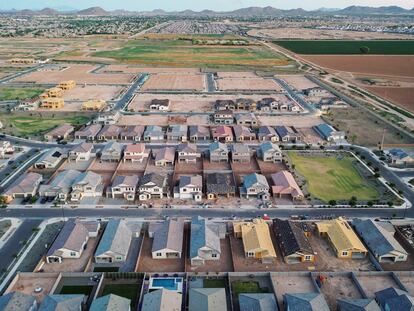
184,189
213,255
118,258
250,254
308,258
72,254
344,254
158,254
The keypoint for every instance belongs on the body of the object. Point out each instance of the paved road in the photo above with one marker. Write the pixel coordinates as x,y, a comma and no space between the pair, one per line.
126,98
20,73
295,95
211,86
14,244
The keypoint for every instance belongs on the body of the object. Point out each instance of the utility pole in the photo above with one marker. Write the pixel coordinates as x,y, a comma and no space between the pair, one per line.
383,138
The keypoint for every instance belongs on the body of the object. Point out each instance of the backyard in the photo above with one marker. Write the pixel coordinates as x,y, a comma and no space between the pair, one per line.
333,177
247,287
130,291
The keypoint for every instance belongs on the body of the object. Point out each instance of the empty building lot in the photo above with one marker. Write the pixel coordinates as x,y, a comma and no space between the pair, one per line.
298,82
247,84
151,70
175,82
87,92
236,74
372,283
407,279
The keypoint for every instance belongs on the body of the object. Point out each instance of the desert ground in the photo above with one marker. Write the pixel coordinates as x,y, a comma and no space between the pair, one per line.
403,96
252,84
82,92
170,81
299,82
138,69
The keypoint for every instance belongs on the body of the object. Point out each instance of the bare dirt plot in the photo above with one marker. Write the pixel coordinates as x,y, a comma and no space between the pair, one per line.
190,82
407,279
246,168
248,84
299,82
79,166
309,136
152,70
80,73
339,287
297,121
132,167
401,96
83,93
189,168
148,264
143,120
369,64
215,166
326,259
376,282
291,283
267,168
236,74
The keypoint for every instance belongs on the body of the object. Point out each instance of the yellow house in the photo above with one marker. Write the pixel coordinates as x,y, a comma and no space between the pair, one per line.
52,103
257,242
44,95
55,92
342,238
94,105
67,85
22,61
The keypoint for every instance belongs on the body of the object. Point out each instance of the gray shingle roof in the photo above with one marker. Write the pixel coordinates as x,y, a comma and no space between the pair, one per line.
306,302
169,235
16,301
220,183
203,234
357,305
291,238
207,299
253,179
257,302
116,238
110,302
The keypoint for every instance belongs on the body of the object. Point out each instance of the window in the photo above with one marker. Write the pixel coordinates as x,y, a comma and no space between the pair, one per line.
214,255
158,254
308,258
344,254
250,254
72,254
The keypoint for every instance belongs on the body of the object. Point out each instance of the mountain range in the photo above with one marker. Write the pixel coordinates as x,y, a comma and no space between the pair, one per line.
243,12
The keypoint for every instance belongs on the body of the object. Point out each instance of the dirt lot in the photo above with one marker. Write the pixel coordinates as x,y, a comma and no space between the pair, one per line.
309,136
377,65
87,92
250,84
292,284
236,74
147,264
131,168
326,259
135,70
374,283
339,287
401,96
213,166
189,168
246,168
79,166
191,82
268,168
297,121
298,82
80,73
407,280
143,120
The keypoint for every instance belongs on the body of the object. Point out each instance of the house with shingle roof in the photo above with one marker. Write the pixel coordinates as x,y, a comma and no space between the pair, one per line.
204,241
255,185
218,152
222,133
190,187
292,241
243,133
380,241
132,133
109,132
50,159
107,118
90,132
240,153
399,157
62,303
160,104
188,153
61,132
257,242
111,152
154,133
123,186
24,186
267,133
17,301
81,153
135,153
164,156
257,302
207,299
287,134
167,238
224,104
152,186
223,117
199,133
284,184
162,300
177,132
305,302
115,242
111,302
328,133
248,119
246,104
220,185
61,185
269,152
394,299
349,304
87,185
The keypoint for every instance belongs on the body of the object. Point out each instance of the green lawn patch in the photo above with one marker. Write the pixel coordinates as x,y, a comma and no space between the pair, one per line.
214,283
384,47
333,178
106,269
130,291
74,289
246,287
21,93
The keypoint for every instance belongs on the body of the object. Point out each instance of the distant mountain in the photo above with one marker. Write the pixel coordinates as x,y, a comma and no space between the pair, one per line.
96,11
327,10
48,11
364,10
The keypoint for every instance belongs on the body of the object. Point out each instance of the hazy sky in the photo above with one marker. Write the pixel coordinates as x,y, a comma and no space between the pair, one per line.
221,5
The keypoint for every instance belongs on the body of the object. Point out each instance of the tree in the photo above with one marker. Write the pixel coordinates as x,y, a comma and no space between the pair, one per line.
353,201
332,202
364,50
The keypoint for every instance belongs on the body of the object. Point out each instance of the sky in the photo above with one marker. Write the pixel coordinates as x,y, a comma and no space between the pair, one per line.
176,5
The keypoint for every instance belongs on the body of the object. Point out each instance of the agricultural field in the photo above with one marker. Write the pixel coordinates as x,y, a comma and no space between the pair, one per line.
343,47
401,96
35,125
182,53
333,178
11,93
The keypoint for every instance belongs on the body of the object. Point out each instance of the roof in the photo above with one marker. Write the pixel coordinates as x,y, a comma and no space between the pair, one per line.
129,180
162,300
91,130
306,302
284,131
401,303
110,302
178,129
62,181
240,148
291,238
217,146
112,146
341,235
153,130
203,234
256,236
207,299
199,130
241,130
220,183
398,153
88,178
285,183
133,130
72,237
116,238
257,302
386,295
110,130
16,301
357,305
379,240
195,180
165,154
51,156
61,130
267,146
266,130
169,235
222,130
252,179
160,102
26,183
187,148
83,147
324,130
134,148
62,303
157,179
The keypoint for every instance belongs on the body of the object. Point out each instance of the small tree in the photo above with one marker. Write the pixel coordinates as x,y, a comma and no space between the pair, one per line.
364,50
332,202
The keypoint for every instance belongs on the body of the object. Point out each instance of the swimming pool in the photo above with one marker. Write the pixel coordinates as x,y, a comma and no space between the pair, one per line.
175,284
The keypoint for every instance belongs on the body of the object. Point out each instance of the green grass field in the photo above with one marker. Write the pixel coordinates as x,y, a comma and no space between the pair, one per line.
11,93
240,287
130,291
182,53
330,178
75,289
33,125
339,47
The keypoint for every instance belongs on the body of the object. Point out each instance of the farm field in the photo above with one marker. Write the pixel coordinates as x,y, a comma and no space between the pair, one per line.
182,53
332,178
11,93
344,47
34,125
401,96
